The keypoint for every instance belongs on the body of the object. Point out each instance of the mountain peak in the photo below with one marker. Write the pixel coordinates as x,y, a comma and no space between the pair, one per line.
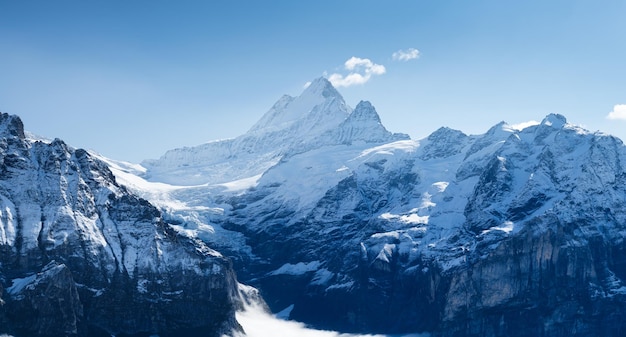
364,124
365,110
319,95
11,125
321,87
554,120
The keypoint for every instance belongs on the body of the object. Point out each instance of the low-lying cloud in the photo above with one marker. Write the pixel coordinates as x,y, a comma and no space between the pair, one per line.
258,323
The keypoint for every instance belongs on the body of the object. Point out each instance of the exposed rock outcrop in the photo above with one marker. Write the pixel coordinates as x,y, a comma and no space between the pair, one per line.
81,255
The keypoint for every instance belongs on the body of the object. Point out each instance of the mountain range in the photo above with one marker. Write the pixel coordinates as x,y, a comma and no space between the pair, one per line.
337,222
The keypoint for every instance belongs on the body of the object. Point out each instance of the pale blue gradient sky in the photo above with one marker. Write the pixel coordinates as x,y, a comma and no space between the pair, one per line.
132,79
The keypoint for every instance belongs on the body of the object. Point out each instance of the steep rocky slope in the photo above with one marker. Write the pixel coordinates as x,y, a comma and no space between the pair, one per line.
82,256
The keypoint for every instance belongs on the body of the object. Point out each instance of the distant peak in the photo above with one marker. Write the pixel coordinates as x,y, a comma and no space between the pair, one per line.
446,132
321,87
554,120
500,128
320,81
365,105
365,110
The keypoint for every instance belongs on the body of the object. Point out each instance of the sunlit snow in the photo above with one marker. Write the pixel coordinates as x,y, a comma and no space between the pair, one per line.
296,269
241,184
506,227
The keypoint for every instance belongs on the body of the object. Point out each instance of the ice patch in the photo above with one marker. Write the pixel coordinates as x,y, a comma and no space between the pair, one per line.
296,269
402,145
242,184
392,234
506,227
19,284
341,285
322,276
407,219
441,186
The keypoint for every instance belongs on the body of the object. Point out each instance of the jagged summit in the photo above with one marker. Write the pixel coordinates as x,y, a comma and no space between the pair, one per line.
365,111
318,117
444,142
321,86
11,125
318,98
364,125
554,120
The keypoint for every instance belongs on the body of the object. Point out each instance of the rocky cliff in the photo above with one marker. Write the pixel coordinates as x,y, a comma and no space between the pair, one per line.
82,256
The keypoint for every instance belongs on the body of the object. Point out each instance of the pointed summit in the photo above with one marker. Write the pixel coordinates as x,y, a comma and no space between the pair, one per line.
364,125
444,142
321,87
365,111
11,125
320,97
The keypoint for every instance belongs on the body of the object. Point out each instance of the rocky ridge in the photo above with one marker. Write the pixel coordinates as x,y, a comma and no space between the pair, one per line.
80,255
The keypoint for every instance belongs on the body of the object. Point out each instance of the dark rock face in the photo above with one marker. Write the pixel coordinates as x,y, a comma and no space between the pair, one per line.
46,304
534,285
82,256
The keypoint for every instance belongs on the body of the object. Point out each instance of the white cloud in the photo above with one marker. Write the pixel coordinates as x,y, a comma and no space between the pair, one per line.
355,63
619,112
360,71
406,55
339,80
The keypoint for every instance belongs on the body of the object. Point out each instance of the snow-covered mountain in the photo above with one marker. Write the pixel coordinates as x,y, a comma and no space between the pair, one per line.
348,227
343,225
80,255
318,117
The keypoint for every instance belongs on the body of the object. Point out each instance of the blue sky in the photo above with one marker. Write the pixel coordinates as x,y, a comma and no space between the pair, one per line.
132,79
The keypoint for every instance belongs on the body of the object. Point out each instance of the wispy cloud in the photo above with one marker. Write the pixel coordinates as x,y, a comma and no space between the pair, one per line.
406,55
619,112
359,72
